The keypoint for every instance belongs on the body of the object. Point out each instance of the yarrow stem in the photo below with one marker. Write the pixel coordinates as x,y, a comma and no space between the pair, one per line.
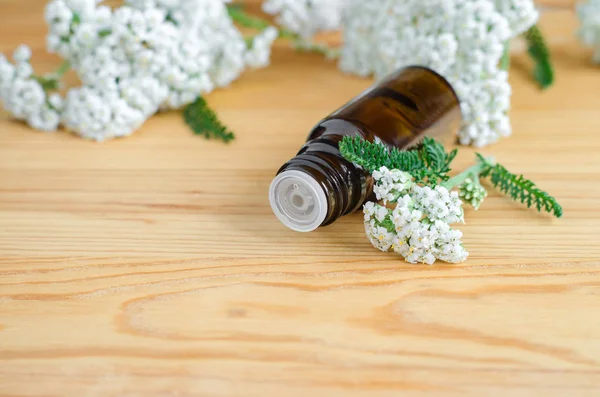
473,172
51,81
505,60
318,48
62,70
239,15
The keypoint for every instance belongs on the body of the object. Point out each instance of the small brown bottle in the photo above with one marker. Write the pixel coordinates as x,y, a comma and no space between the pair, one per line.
318,186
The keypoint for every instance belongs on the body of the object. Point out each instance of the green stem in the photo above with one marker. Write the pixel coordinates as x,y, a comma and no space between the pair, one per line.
473,172
505,60
246,20
62,70
459,179
318,48
51,81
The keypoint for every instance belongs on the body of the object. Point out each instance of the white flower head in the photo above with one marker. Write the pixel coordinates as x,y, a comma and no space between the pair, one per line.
418,227
463,40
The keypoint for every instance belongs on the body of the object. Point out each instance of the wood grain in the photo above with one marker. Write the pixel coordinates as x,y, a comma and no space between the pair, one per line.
152,266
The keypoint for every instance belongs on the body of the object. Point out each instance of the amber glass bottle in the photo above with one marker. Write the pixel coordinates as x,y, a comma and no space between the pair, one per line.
318,186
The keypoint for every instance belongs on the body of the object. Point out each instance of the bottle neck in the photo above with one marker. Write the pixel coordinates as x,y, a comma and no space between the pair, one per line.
318,186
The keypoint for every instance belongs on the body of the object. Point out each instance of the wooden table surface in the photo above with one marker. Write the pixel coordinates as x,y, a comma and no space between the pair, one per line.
153,266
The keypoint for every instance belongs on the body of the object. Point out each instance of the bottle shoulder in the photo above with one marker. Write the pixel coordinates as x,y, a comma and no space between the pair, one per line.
334,128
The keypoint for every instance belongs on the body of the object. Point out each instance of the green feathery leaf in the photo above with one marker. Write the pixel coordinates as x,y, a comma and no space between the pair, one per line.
519,188
372,156
203,121
436,158
428,163
538,50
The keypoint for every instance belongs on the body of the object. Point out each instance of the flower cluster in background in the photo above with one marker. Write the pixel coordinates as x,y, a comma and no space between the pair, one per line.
145,56
464,40
589,32
418,227
151,55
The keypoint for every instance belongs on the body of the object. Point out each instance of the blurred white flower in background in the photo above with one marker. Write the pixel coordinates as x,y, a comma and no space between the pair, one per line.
144,56
589,32
149,55
463,40
306,17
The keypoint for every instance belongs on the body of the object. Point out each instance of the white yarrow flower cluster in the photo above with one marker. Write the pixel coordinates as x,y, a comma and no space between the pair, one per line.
589,32
306,17
463,40
143,57
23,95
418,227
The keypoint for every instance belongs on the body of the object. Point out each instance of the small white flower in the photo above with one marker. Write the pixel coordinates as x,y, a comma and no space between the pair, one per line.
380,237
369,210
381,213
260,53
22,54
23,70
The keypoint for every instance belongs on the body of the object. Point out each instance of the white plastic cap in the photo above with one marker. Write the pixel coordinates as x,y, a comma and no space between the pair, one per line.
298,201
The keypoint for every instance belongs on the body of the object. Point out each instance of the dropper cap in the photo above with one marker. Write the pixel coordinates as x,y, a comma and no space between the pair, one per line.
298,200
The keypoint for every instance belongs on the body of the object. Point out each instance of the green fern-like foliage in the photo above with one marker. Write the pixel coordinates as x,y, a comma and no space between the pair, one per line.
436,159
428,163
519,188
203,121
372,156
538,50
